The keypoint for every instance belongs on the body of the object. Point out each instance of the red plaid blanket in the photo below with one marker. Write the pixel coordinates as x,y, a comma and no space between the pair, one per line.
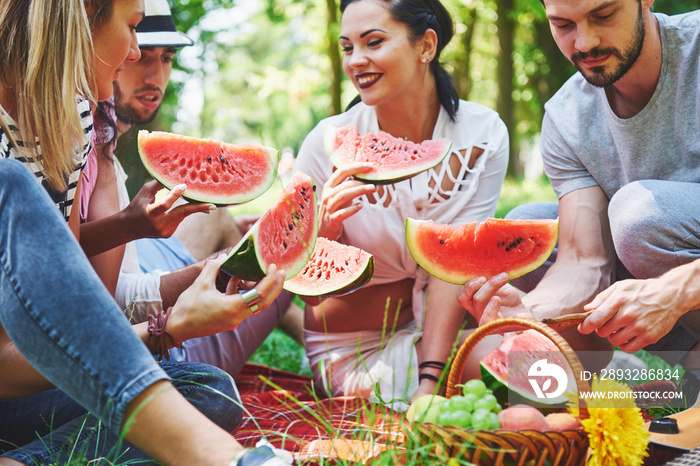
283,408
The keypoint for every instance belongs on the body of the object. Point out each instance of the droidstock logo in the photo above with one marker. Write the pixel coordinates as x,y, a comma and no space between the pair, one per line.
544,371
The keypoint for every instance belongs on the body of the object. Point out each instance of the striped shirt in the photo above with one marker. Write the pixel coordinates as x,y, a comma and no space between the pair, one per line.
63,199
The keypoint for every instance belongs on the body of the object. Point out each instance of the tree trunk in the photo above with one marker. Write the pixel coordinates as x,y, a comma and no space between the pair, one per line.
462,67
560,68
504,101
334,55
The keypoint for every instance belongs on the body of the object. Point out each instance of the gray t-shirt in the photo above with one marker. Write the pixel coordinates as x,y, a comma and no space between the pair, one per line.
585,144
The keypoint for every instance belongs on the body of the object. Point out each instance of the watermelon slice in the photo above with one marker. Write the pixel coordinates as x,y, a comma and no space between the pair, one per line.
334,269
507,370
459,254
284,235
214,171
394,159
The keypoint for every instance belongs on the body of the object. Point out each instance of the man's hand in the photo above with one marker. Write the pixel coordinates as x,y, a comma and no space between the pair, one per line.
634,313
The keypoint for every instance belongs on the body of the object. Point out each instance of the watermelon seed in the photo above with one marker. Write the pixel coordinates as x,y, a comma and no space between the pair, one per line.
291,226
208,159
285,245
442,241
314,188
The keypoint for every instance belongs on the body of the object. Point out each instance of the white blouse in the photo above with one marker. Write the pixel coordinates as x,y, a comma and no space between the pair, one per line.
380,230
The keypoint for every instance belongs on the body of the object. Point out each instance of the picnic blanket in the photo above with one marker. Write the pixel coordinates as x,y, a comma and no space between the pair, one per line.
285,409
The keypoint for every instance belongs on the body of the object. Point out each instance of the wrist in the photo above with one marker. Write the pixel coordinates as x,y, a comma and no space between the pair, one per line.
683,282
128,228
159,338
176,327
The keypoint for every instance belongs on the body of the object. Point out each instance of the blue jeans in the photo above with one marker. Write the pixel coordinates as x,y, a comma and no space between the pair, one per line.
655,226
51,428
57,312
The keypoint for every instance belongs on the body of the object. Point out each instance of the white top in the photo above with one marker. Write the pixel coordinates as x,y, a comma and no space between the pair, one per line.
380,230
142,290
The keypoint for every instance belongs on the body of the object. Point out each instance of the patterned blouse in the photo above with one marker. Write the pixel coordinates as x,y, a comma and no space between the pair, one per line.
63,199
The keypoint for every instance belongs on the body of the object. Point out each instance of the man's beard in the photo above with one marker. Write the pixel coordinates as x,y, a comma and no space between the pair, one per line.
601,79
128,114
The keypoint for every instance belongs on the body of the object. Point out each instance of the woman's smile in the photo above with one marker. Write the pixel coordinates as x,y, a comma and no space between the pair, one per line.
366,80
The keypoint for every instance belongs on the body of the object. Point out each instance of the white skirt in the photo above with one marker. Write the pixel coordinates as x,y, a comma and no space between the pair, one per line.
369,363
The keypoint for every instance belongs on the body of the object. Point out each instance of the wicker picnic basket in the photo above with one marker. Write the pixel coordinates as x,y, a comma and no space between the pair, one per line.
505,447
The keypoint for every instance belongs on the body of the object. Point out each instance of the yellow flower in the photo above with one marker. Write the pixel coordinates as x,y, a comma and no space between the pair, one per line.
615,426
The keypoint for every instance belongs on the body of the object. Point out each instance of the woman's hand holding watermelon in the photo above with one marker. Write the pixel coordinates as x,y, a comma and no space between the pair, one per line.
490,299
149,217
202,310
337,199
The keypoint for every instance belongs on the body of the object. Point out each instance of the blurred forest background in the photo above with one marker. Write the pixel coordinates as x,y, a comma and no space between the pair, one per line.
266,71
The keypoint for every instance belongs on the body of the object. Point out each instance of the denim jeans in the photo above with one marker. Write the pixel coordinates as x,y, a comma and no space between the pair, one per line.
51,428
57,312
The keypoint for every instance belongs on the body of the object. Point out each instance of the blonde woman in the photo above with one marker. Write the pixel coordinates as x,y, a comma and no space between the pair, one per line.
59,325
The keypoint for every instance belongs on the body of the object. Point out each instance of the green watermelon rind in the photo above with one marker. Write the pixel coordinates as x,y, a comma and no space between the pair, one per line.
434,269
363,277
244,261
387,176
412,226
220,201
507,395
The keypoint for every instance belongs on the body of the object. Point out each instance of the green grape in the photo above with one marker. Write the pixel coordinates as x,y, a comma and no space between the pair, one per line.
455,418
487,402
495,423
474,386
481,419
471,398
460,403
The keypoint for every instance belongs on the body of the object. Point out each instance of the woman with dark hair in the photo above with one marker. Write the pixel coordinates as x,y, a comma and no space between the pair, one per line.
391,53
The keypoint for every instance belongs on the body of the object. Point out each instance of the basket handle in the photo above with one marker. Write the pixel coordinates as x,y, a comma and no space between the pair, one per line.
496,326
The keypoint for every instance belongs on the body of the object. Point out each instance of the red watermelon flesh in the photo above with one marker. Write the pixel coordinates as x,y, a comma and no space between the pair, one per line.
214,171
288,230
394,159
334,269
507,367
459,254
284,235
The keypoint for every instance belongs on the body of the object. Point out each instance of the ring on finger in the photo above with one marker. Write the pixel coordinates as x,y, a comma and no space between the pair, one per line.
251,298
